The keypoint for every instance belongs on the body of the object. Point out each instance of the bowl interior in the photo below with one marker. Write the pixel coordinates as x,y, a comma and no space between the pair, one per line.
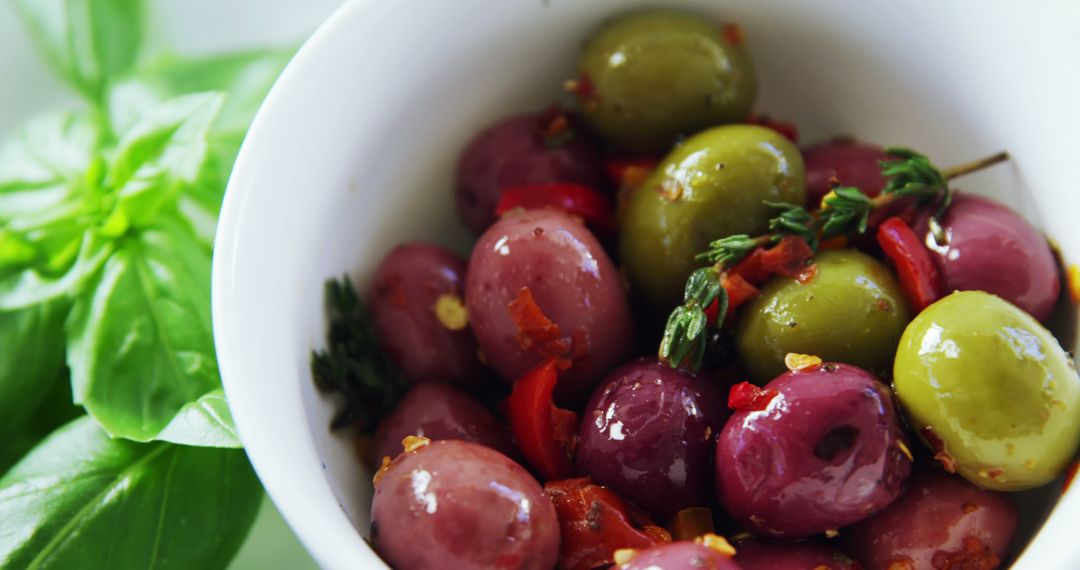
355,148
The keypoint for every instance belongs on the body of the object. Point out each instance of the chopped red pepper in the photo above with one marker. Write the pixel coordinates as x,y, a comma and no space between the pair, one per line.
739,290
594,522
751,267
918,275
534,328
748,397
790,257
789,130
591,205
545,434
733,34
629,172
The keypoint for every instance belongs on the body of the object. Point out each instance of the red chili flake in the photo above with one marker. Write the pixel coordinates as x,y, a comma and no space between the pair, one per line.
555,130
534,328
903,563
748,397
973,555
790,257
733,34
583,86
969,508
1070,474
937,445
739,290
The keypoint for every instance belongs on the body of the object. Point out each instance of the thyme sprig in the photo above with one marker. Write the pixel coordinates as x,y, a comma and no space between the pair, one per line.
352,364
845,211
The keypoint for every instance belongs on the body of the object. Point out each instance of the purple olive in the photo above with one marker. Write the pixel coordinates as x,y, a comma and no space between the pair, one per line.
827,451
418,313
764,555
989,247
553,258
439,412
516,151
942,521
455,504
852,163
648,433
680,556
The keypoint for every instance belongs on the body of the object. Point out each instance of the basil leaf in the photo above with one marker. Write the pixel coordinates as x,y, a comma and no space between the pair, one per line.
206,422
82,500
54,410
31,359
86,41
140,346
32,286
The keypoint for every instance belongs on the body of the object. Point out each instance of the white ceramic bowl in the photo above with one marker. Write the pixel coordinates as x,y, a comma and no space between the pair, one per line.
354,151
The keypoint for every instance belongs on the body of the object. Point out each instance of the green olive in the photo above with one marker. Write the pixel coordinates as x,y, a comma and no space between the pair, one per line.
984,383
657,74
852,311
711,186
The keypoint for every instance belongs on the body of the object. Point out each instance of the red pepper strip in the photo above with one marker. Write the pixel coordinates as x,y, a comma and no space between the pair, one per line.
594,522
919,277
592,206
751,268
543,432
746,396
738,290
789,130
790,258
629,172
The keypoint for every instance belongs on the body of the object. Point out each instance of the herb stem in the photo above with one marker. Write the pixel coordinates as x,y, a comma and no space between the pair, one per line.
975,165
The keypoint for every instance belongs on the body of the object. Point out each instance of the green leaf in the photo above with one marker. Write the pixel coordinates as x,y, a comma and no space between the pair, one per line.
87,42
30,361
140,346
82,500
206,422
35,285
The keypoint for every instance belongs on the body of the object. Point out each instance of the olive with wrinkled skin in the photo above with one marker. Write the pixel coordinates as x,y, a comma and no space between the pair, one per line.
654,75
991,389
852,311
512,152
827,451
455,504
439,412
682,555
572,281
409,283
710,187
941,518
648,433
989,247
755,554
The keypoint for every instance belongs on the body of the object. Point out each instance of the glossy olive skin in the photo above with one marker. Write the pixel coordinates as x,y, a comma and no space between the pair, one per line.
765,555
648,433
711,186
572,281
852,311
454,504
852,163
683,555
825,453
407,284
512,152
991,248
932,521
994,386
658,74
439,412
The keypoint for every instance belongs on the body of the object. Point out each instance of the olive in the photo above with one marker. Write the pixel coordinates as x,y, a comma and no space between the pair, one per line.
649,433
988,247
455,504
852,311
439,412
990,390
647,77
518,150
826,451
682,555
941,521
851,163
711,186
